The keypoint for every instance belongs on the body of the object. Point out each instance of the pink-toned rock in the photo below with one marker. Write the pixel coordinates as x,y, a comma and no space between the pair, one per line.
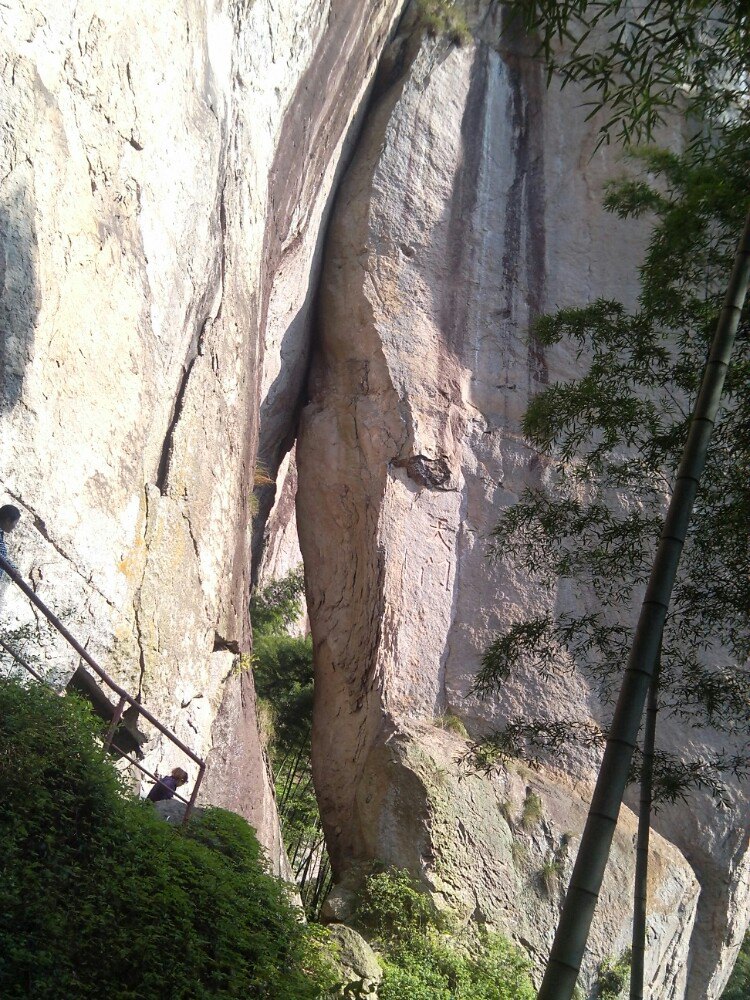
472,205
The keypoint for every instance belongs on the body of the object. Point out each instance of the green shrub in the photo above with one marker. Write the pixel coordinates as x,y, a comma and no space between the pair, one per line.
392,908
443,17
438,971
419,960
613,977
100,898
738,987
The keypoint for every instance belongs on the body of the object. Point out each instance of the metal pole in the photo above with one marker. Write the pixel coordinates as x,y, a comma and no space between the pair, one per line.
20,659
8,568
115,722
194,796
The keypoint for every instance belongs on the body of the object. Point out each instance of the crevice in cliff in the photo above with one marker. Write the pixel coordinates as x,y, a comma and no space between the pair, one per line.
274,443
225,645
194,352
141,653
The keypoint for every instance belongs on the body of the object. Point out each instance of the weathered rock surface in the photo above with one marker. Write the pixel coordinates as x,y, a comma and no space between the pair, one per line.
165,179
499,852
356,958
165,185
473,203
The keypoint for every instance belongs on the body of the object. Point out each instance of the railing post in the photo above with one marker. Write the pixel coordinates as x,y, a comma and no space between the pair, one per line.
115,721
194,795
7,567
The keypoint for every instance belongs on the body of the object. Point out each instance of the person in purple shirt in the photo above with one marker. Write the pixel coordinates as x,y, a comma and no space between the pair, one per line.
166,787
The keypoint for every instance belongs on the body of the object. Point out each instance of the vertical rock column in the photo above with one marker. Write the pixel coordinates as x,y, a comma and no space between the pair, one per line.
474,202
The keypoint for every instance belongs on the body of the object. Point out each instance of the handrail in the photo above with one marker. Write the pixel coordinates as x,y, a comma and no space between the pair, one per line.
7,567
17,656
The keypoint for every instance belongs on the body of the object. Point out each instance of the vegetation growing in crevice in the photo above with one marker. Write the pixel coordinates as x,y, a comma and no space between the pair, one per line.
519,852
443,18
451,723
532,811
613,977
283,670
421,961
101,898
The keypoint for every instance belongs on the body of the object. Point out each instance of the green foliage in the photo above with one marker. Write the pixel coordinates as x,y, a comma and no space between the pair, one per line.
437,971
100,898
283,671
278,606
671,54
612,437
452,723
420,963
392,908
443,18
738,987
613,977
532,811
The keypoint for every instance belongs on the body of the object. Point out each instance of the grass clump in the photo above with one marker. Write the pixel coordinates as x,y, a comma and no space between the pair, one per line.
99,898
613,977
420,962
519,853
451,723
532,811
444,18
550,872
506,811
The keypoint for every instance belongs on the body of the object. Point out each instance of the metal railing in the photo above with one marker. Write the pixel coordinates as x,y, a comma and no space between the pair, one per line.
124,697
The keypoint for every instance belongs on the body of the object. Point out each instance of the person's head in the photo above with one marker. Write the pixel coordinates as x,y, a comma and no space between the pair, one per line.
9,517
180,776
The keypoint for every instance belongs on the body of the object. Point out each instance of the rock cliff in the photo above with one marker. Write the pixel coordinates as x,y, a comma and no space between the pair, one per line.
473,204
165,180
166,184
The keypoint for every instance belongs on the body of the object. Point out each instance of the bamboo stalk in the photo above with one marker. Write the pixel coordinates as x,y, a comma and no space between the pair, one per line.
640,895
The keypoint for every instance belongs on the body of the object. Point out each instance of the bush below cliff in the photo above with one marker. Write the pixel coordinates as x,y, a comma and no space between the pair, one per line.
99,898
422,961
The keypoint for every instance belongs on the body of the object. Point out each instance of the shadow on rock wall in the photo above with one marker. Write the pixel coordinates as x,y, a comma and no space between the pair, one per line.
19,295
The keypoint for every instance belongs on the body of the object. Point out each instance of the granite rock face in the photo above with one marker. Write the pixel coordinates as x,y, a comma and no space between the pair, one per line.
472,205
165,181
